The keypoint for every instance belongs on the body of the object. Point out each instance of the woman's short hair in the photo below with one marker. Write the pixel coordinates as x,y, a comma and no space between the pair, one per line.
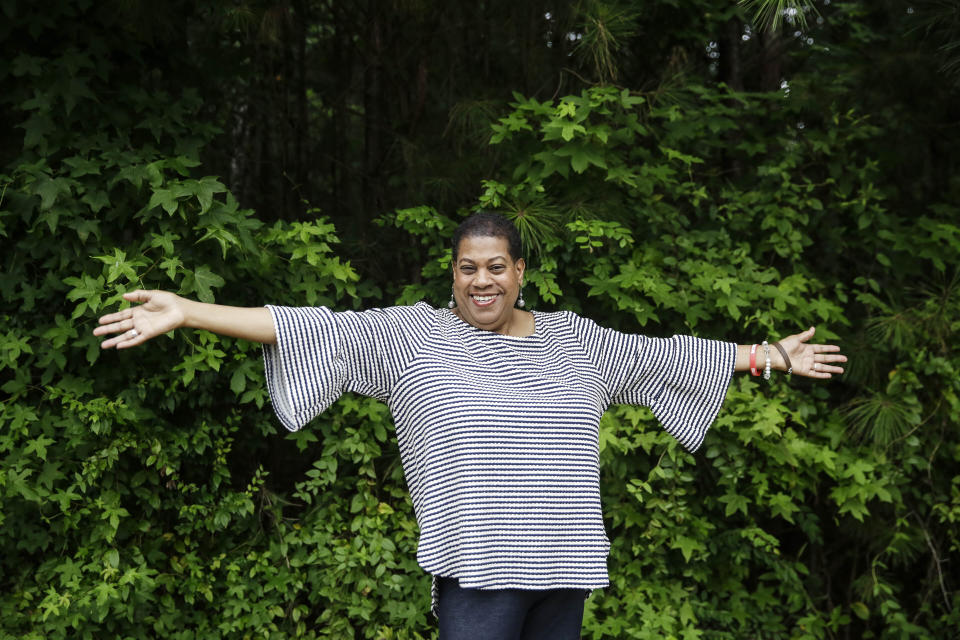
485,224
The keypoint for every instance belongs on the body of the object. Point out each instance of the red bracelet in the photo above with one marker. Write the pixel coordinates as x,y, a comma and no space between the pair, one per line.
753,361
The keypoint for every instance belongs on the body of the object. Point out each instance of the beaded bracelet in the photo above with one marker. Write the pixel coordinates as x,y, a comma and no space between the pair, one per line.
766,353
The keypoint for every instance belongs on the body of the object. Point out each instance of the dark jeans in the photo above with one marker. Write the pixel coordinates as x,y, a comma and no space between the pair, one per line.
508,614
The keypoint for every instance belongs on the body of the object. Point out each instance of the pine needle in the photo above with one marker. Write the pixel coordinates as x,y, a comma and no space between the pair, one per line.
769,14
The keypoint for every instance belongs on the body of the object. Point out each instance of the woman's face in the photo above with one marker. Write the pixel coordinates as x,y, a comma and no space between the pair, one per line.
486,282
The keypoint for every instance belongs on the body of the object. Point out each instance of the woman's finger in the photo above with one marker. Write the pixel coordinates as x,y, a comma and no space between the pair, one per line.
115,316
806,335
823,365
130,338
822,370
118,340
137,296
825,358
824,348
118,325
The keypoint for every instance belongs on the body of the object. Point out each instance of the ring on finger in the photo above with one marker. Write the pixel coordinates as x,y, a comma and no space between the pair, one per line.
133,333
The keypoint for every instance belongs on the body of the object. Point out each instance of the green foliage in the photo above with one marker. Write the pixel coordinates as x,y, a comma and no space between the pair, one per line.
149,493
606,27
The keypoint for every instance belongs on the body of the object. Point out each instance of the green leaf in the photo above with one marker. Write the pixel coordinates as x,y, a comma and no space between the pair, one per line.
171,266
164,198
96,199
80,166
50,189
204,282
25,64
686,159
570,129
860,610
238,382
204,189
104,593
687,546
735,502
36,130
134,174
581,156
165,241
39,446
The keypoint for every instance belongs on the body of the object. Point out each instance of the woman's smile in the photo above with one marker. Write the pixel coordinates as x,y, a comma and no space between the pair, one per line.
483,300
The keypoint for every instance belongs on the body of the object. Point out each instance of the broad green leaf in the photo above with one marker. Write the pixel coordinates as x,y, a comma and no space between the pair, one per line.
204,281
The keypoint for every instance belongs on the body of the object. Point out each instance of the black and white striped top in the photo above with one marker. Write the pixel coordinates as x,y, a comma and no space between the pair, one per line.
498,434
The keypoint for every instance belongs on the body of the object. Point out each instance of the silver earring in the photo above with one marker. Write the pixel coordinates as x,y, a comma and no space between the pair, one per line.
520,302
451,304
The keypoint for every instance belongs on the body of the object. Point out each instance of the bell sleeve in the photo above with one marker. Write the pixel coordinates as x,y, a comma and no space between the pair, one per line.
320,354
682,379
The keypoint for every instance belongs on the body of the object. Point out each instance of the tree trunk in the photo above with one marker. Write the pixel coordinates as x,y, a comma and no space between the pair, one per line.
771,70
731,70
373,121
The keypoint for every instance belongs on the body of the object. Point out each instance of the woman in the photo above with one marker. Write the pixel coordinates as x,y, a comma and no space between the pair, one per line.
497,411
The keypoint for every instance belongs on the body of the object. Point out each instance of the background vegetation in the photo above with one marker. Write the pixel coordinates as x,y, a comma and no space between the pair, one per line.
674,168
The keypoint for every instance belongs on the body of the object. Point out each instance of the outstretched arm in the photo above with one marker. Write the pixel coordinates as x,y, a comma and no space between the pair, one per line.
162,311
810,360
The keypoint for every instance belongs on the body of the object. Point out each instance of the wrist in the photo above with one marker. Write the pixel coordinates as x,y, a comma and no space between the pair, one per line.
776,360
781,359
190,313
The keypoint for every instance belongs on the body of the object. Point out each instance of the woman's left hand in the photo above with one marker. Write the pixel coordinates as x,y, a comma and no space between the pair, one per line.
811,360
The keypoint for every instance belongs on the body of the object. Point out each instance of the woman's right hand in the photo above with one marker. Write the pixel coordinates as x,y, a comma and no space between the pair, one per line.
159,312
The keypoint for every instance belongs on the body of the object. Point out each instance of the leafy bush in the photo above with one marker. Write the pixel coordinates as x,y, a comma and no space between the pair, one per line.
150,493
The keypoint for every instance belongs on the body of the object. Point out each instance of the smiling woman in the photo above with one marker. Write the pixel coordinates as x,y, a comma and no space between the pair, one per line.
497,412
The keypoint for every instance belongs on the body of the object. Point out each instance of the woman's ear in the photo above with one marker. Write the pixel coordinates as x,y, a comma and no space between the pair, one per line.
521,267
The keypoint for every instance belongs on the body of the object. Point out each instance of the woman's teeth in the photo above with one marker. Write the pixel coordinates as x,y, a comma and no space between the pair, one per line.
483,299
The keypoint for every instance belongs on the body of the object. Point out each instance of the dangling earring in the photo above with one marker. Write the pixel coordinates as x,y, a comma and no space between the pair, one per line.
451,304
520,302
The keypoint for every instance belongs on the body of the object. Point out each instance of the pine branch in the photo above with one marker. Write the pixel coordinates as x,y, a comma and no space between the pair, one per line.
769,14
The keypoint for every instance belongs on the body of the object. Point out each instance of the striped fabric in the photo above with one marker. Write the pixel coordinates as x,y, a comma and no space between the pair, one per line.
498,434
